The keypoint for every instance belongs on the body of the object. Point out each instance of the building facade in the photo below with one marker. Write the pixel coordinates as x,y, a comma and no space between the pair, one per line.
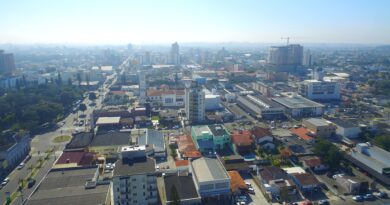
320,90
195,103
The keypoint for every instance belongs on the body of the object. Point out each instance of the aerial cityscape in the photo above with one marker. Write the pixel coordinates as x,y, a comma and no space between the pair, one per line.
194,102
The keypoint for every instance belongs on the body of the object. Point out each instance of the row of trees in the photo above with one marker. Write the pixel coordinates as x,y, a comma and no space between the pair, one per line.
30,107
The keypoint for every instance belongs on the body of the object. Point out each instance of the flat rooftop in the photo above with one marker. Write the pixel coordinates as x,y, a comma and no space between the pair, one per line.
111,139
208,169
64,187
296,102
199,130
318,121
218,130
139,166
108,120
184,185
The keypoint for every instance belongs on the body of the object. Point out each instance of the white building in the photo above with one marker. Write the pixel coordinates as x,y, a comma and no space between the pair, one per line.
195,103
299,107
210,177
166,98
320,90
346,129
134,180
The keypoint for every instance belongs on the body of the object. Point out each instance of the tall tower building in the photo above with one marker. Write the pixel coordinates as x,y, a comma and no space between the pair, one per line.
142,87
195,103
7,63
285,58
175,57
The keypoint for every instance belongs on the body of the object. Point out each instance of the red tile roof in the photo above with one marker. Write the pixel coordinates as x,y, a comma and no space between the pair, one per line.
187,147
236,182
306,179
79,157
181,163
260,132
192,154
302,133
313,162
242,138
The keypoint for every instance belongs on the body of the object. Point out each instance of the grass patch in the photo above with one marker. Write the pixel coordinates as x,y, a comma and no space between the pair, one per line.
62,138
157,118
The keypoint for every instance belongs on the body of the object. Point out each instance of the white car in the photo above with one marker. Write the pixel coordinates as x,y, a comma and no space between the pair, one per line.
5,181
20,166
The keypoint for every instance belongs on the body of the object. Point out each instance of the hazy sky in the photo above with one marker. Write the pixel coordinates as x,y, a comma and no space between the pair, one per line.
165,21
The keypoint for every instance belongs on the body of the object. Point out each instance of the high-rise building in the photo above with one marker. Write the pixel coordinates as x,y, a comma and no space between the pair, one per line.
142,87
286,55
7,63
175,57
320,90
195,103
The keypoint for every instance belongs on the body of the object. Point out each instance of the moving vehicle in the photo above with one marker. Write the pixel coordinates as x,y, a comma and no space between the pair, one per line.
357,198
20,166
31,183
5,181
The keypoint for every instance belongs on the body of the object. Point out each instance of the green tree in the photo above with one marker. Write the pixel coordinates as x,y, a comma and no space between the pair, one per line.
92,96
383,142
82,107
328,152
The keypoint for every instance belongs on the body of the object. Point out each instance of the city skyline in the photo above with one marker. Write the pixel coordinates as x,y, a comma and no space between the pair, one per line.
143,22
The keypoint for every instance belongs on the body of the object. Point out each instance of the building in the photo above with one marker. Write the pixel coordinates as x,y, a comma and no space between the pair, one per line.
346,129
108,143
212,102
78,186
303,134
134,180
306,182
7,63
153,139
314,163
108,123
285,58
237,183
261,107
300,107
235,163
319,127
352,185
275,180
320,90
185,187
187,148
13,149
373,156
165,98
142,86
243,141
79,141
210,177
175,55
195,104
74,159
210,138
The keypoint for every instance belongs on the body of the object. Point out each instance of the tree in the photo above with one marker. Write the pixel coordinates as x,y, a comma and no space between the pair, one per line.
175,198
92,96
383,142
328,152
82,107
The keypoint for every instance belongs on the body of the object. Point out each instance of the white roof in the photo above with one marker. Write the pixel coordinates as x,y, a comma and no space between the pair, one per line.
108,120
106,68
208,169
294,170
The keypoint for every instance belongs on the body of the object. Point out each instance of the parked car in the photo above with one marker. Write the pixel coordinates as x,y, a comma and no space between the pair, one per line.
20,166
369,197
323,202
251,190
5,181
357,198
31,183
381,194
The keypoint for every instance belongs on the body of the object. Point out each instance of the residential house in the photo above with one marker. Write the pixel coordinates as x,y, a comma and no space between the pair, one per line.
243,141
263,137
314,163
306,182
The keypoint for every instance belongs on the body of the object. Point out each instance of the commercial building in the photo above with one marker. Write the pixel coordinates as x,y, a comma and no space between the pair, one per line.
352,185
346,129
14,148
210,138
300,107
7,63
285,58
78,186
134,180
185,187
108,143
260,107
166,98
320,90
212,102
373,160
319,127
175,56
210,177
195,103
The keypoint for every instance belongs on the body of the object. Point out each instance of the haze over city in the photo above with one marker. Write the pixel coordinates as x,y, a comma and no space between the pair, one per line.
119,22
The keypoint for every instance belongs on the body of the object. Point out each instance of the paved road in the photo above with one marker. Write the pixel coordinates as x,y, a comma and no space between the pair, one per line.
258,197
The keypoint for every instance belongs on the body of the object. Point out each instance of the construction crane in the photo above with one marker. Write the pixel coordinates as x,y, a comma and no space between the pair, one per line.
287,38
